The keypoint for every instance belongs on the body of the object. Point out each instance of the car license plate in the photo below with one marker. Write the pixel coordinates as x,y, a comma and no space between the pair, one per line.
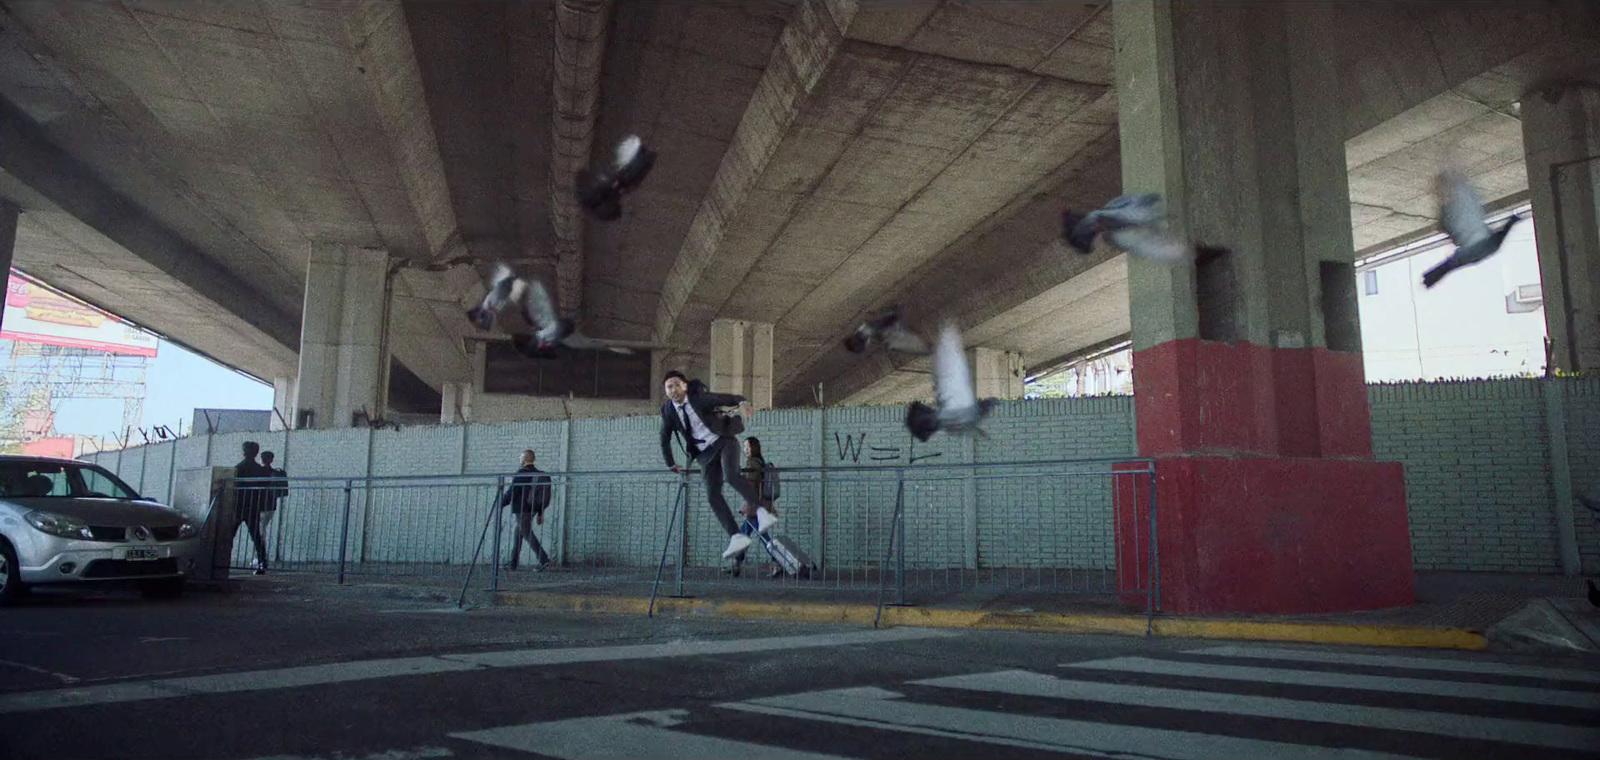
142,554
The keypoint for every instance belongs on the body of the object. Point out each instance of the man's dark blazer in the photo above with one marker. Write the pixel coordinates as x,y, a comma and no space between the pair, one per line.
705,404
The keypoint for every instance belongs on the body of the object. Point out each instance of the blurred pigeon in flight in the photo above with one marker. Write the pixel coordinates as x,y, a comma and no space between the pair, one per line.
1132,223
887,329
959,410
601,190
505,287
1461,216
551,329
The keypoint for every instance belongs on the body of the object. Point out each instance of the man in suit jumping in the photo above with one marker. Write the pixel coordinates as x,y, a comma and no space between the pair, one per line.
708,435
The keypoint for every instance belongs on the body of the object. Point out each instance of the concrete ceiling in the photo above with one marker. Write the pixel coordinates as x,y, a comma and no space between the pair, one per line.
817,160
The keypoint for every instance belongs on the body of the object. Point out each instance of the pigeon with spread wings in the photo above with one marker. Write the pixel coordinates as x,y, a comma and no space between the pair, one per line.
1132,223
889,330
550,329
960,410
505,288
1461,216
600,190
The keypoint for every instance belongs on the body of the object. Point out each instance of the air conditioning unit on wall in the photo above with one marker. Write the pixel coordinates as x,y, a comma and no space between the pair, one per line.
1525,298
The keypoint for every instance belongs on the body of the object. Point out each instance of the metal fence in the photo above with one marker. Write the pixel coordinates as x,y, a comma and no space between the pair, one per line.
1067,527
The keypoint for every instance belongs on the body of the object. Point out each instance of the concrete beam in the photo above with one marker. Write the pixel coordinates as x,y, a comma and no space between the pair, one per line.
30,158
580,38
804,52
384,50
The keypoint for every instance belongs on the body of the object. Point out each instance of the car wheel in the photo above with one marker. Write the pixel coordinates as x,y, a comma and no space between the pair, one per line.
162,588
11,586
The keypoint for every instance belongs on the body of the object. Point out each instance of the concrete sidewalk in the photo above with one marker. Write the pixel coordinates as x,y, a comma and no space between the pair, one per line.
1453,610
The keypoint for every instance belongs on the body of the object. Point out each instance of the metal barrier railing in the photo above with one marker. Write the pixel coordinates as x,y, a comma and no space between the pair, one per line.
1068,527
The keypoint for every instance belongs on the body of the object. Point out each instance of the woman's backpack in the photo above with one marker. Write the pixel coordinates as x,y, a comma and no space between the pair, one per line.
771,488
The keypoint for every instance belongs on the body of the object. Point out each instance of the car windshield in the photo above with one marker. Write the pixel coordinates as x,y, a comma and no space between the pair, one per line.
59,479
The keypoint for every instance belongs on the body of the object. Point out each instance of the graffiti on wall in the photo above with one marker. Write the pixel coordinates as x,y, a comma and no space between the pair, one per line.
850,447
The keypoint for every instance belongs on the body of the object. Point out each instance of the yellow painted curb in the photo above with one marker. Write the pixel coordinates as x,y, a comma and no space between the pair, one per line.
933,617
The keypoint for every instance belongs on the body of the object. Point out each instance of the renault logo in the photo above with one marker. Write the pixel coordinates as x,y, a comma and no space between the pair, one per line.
140,533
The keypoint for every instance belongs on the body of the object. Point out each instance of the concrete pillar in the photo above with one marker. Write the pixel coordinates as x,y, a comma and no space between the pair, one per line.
741,360
1561,135
997,373
340,362
9,215
455,404
282,403
1249,386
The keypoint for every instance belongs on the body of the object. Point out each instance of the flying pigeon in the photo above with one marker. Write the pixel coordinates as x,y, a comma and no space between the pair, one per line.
504,288
1594,594
959,410
888,329
1132,223
551,329
600,190
1461,216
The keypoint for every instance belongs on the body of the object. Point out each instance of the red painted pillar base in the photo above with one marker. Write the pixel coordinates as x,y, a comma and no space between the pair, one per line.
1282,536
1253,512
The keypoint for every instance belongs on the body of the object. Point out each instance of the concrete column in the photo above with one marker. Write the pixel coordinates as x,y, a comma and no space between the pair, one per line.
9,215
1249,386
729,357
761,349
1561,135
282,403
741,360
455,404
340,362
997,373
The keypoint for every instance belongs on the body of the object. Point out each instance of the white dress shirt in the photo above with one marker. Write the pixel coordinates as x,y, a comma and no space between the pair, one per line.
697,427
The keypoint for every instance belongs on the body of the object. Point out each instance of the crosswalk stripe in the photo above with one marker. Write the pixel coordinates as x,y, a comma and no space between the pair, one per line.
1494,692
887,709
1413,663
1032,684
363,670
641,734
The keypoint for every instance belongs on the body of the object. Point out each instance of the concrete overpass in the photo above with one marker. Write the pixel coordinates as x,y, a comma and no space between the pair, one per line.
299,188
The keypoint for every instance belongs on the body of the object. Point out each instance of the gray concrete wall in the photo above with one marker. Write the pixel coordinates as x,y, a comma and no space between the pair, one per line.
1478,456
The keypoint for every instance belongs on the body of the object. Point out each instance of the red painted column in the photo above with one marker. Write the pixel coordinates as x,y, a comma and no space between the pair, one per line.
1249,390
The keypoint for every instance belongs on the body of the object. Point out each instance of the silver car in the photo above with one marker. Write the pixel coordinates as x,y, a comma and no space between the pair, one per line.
64,521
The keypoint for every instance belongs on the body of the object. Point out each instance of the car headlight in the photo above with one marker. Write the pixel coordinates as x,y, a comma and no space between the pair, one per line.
59,525
187,530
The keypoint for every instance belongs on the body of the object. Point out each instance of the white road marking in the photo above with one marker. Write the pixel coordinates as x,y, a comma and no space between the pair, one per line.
312,675
420,753
641,734
62,677
1413,663
1393,719
1493,692
883,709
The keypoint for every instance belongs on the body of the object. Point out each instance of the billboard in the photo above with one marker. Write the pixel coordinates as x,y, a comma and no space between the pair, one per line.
36,313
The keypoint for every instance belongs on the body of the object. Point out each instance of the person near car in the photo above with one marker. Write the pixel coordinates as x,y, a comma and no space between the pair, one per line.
251,501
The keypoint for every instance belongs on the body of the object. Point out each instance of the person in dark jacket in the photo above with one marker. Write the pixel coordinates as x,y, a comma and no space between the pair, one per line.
692,412
528,497
251,501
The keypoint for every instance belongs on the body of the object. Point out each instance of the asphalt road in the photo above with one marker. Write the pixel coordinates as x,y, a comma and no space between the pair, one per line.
339,674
